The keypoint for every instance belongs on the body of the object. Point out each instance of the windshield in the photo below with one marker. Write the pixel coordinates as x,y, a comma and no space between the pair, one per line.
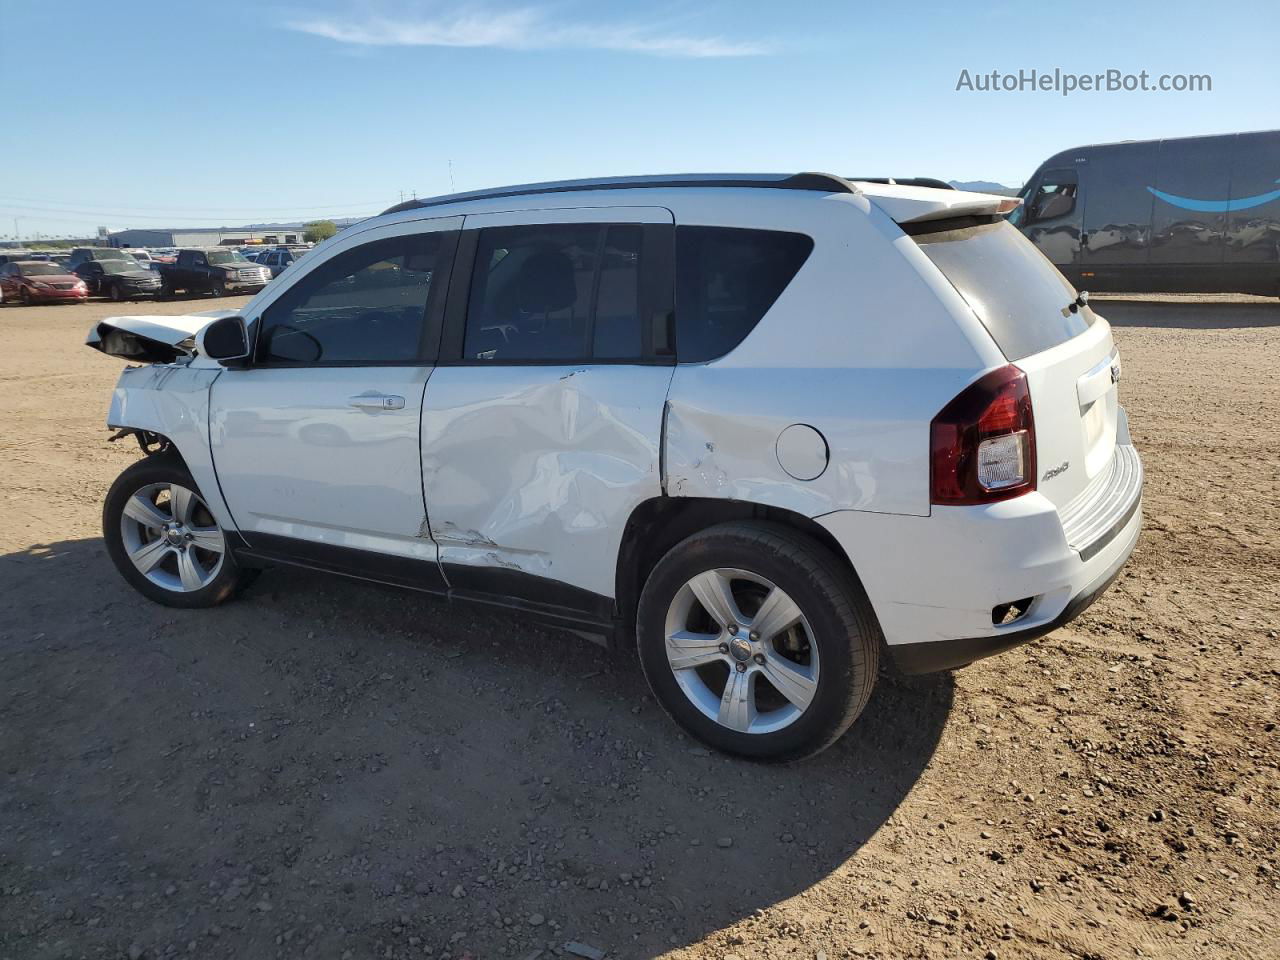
226,256
120,264
1020,297
41,270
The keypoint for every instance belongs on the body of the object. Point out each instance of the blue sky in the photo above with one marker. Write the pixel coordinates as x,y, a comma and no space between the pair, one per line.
175,114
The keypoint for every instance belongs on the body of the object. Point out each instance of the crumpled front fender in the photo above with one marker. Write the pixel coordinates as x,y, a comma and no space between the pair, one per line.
173,401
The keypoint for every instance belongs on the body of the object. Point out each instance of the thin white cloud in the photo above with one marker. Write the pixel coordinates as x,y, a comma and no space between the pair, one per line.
524,28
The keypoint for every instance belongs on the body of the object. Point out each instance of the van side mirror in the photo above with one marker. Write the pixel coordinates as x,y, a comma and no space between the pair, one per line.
226,339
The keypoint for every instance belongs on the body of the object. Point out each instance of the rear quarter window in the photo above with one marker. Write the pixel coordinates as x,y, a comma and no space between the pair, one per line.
727,278
1019,296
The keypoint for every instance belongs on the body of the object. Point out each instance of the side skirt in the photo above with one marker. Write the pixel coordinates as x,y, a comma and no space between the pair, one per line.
547,601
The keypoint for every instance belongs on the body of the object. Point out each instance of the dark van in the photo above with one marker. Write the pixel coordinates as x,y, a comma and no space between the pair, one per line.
1195,214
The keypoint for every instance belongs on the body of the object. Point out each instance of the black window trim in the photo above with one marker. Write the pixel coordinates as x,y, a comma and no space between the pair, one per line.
428,343
657,297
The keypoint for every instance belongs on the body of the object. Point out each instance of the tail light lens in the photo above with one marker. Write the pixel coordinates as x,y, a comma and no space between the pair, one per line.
983,443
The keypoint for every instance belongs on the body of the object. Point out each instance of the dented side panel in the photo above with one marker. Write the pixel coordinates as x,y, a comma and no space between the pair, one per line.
865,345
537,468
722,440
173,401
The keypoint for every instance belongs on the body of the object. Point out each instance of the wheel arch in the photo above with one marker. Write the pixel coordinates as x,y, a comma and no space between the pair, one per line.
658,524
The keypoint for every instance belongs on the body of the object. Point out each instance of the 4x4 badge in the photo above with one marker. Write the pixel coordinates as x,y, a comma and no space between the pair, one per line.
1056,471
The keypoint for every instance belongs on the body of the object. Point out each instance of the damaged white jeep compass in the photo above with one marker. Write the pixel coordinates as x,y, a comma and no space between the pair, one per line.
768,426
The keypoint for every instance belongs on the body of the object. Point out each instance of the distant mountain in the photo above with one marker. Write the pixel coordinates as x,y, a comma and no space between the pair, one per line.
984,186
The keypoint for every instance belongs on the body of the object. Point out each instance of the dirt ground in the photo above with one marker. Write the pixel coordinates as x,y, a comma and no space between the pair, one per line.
328,769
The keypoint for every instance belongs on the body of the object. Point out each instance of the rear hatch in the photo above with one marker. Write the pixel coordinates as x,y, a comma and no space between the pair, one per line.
1035,317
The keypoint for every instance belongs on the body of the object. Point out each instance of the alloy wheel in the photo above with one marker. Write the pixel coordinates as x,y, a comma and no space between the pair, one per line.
741,650
172,538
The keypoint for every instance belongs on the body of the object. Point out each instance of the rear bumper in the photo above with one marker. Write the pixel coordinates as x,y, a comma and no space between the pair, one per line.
914,658
934,581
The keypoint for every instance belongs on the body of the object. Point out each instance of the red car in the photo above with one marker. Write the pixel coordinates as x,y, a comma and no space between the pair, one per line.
35,281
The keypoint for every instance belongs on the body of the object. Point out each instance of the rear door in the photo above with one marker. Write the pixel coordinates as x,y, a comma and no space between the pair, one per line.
316,442
1065,350
542,425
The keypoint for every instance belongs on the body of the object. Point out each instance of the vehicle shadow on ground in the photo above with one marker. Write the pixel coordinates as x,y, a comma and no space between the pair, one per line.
328,765
1189,316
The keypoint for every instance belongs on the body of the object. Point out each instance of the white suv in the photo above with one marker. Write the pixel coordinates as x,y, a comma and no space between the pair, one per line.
767,426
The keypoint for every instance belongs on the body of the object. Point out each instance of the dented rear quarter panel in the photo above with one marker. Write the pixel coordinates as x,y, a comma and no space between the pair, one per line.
865,344
173,400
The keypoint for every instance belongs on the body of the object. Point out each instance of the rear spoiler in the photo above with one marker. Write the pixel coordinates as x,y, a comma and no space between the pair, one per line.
915,204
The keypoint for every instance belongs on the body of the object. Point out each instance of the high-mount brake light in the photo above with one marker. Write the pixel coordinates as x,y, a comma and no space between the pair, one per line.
982,445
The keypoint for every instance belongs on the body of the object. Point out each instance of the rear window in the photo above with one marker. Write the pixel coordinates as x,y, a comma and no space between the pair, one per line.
726,280
1019,296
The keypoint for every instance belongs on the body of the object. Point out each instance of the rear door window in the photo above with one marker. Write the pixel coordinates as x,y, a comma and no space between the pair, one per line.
1020,297
564,292
727,278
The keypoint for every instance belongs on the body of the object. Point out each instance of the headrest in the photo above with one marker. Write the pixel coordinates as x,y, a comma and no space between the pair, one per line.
546,282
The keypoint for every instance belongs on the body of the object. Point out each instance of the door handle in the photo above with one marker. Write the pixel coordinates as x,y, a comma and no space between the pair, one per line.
376,401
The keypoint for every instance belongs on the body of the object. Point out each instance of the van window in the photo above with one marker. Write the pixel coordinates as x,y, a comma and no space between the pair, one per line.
362,307
726,280
1019,296
1055,196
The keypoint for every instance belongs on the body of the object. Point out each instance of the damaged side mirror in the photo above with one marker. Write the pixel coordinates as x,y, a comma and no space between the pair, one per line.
225,340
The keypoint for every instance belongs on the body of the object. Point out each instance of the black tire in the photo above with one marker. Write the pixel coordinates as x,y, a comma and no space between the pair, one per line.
164,468
844,628
27,299
218,288
116,293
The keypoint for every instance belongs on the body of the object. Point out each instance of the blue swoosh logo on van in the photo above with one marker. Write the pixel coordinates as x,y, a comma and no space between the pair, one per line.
1216,206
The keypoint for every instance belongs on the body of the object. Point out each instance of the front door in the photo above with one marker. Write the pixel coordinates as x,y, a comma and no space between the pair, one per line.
1052,218
316,442
542,426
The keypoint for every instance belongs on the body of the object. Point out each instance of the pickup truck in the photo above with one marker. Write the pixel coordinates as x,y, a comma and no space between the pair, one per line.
216,270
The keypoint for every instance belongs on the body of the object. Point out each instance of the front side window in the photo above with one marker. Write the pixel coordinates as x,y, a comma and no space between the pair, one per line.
726,280
368,305
1055,196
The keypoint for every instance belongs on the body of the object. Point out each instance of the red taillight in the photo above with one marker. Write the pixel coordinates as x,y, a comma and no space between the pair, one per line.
982,446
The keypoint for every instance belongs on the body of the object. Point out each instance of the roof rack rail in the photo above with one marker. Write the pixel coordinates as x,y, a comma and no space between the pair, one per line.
906,181
822,182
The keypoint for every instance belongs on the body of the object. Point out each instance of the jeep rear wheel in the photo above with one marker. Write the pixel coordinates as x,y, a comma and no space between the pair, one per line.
758,641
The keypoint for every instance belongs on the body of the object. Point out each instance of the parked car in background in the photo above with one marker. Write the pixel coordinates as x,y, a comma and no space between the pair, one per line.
84,254
281,258
142,256
119,277
9,255
216,270
768,428
38,281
